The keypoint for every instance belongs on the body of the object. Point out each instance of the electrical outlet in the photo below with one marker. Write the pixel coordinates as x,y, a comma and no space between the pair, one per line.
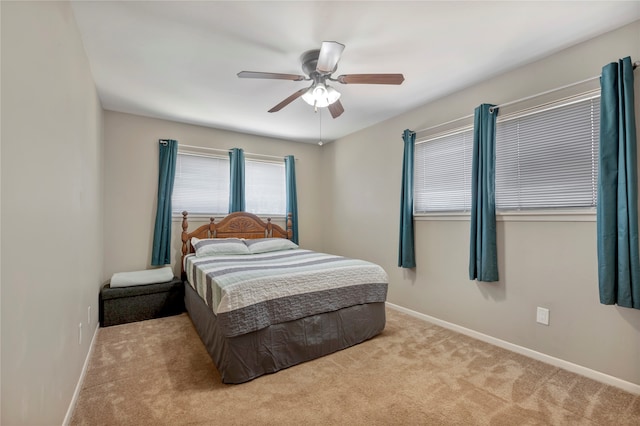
89,315
80,333
542,316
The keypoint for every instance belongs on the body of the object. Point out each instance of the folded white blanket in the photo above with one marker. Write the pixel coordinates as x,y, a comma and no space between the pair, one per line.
150,276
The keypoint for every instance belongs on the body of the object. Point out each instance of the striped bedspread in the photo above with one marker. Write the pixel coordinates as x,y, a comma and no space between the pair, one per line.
250,292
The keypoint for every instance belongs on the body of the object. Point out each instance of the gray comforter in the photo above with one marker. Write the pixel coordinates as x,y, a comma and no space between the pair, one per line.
250,292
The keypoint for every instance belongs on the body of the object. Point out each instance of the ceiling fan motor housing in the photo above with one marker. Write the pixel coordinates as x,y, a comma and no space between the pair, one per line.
309,61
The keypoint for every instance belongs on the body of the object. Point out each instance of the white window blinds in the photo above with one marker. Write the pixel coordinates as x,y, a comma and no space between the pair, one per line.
201,184
442,173
265,187
549,158
546,158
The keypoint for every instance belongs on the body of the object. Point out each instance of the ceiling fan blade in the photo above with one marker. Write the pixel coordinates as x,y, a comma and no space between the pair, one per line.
336,109
329,56
270,75
288,100
371,79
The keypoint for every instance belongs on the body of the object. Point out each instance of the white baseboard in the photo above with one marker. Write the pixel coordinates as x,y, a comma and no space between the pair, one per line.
76,392
557,362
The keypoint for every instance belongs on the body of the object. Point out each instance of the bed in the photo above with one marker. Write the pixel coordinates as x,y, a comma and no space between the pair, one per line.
274,305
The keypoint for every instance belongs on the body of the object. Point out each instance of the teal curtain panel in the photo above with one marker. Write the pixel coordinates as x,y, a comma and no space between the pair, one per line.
406,249
292,194
161,252
483,256
617,208
236,190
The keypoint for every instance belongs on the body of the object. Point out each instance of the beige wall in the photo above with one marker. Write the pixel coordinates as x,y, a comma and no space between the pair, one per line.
542,263
51,210
131,183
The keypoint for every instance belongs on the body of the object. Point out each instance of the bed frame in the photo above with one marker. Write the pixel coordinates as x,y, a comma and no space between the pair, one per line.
243,358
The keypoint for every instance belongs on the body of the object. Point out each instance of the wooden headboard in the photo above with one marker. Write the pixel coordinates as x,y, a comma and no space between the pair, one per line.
234,225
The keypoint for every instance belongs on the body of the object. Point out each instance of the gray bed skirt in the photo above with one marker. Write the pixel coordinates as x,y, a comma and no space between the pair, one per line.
243,358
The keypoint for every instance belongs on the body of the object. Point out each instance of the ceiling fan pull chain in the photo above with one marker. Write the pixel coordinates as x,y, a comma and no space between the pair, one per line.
320,120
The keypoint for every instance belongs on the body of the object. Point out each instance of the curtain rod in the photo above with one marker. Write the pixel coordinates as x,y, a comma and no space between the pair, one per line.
444,124
635,65
226,150
566,86
546,92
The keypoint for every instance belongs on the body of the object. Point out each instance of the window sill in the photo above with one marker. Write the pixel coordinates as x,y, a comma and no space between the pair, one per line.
518,216
452,216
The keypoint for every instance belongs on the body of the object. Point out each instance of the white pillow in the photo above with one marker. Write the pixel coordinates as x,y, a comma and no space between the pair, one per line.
218,246
150,276
264,245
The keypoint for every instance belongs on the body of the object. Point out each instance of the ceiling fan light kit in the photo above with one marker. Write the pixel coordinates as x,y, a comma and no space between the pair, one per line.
320,95
318,65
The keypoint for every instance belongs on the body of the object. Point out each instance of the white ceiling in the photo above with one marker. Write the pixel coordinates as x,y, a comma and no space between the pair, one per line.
178,60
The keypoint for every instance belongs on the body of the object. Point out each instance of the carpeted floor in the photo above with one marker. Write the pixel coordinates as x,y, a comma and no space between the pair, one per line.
157,372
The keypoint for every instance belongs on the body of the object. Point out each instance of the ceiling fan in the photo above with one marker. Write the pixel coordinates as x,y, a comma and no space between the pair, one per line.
318,65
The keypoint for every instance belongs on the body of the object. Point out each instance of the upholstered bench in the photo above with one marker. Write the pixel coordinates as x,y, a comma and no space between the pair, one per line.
122,305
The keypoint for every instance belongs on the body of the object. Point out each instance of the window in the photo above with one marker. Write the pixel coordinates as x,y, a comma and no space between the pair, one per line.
549,158
442,173
545,158
201,186
265,191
